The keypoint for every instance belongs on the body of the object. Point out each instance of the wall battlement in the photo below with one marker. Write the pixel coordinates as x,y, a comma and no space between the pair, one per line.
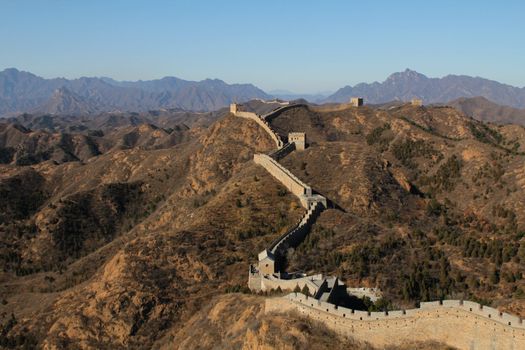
462,324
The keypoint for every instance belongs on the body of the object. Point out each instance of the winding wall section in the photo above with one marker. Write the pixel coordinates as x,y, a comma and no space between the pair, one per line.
462,324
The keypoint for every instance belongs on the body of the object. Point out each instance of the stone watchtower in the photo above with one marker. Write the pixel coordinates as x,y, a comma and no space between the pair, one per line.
233,108
417,102
266,262
299,138
356,101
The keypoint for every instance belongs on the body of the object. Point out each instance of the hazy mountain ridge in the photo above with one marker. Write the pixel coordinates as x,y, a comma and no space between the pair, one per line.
23,92
410,84
482,109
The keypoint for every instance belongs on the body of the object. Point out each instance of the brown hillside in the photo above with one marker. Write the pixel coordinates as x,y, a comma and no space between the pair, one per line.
482,109
134,247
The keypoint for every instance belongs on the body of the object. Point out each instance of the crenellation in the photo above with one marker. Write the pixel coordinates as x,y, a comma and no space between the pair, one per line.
396,327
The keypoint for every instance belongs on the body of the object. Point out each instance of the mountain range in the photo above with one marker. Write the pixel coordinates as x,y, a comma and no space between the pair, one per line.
25,92
481,108
410,84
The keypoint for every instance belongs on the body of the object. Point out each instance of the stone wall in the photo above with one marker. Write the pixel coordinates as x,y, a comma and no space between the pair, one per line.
465,325
462,324
296,235
264,124
283,152
283,175
269,116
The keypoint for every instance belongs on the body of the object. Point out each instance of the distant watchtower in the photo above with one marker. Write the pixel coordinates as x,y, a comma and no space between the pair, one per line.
356,101
233,108
417,102
299,138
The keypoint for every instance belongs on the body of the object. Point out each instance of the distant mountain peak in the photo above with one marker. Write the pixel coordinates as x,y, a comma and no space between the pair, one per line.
407,74
11,70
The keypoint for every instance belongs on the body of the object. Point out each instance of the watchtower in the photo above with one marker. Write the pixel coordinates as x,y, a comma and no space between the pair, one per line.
356,101
417,102
233,108
299,138
266,262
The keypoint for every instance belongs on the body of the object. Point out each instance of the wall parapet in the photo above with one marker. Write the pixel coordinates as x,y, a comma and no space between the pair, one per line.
473,308
289,180
450,322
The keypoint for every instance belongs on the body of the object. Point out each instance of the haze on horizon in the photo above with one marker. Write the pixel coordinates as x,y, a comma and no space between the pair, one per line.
300,46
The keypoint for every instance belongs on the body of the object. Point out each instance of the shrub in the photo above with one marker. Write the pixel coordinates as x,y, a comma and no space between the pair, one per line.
375,135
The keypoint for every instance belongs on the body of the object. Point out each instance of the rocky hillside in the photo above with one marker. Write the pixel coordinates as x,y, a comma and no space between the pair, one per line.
136,246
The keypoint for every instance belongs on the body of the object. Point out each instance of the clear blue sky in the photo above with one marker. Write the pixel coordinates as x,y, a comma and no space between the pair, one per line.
303,46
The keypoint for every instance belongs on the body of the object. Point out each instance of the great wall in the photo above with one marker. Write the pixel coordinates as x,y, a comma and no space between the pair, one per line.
457,323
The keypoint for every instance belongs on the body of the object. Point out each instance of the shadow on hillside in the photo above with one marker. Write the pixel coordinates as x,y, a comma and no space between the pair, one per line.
330,203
